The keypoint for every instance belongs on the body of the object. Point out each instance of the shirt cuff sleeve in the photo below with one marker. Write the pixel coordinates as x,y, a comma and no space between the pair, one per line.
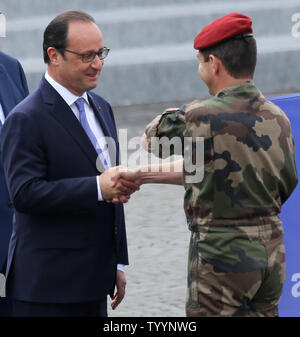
100,198
121,267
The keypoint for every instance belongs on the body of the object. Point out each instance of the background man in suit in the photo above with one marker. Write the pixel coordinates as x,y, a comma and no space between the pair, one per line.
13,88
67,241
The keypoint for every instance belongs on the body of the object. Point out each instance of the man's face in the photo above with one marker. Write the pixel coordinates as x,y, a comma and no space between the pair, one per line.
205,71
74,74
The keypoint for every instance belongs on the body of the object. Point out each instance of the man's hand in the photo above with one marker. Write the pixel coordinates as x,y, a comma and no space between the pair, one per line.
113,188
121,285
126,176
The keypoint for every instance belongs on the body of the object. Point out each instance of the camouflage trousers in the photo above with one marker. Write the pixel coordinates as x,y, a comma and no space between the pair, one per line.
235,271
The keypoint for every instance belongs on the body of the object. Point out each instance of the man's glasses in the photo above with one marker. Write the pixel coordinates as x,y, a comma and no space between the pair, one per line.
89,57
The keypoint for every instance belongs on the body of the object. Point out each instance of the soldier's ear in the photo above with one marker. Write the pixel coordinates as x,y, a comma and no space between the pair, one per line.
215,64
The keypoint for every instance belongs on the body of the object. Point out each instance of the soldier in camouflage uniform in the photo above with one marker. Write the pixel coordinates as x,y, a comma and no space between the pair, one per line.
236,257
236,263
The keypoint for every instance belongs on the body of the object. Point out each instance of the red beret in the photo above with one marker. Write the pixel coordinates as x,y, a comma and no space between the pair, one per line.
223,29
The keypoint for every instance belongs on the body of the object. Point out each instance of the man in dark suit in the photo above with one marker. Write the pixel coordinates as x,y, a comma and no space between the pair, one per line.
67,240
13,88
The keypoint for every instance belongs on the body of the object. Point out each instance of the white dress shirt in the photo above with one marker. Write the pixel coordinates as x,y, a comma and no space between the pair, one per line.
70,99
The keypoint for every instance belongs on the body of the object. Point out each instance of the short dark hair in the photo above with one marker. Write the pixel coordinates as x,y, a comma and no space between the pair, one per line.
55,34
238,56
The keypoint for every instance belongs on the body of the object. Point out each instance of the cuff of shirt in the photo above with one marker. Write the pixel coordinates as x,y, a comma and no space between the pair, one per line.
121,267
100,198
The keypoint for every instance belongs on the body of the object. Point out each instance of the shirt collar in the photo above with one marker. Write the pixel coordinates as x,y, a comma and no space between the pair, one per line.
234,86
66,94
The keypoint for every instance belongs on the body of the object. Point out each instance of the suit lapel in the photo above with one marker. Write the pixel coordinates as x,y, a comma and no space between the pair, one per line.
102,116
65,116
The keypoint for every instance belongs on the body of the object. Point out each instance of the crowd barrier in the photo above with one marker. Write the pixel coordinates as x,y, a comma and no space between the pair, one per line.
289,305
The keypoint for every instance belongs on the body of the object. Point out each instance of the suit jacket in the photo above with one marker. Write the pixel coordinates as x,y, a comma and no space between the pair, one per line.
13,88
65,244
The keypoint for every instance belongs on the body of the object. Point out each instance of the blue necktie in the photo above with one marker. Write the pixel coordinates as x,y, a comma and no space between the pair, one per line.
84,122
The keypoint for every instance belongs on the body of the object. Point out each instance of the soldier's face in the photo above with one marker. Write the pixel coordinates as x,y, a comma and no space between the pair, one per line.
205,71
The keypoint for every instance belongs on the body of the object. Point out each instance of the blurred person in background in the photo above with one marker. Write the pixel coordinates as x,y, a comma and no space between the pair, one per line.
13,89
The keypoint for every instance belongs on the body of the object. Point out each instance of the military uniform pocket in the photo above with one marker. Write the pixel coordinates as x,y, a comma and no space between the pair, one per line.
230,249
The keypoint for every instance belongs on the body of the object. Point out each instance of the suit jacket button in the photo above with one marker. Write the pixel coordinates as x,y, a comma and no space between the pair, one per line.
10,205
116,230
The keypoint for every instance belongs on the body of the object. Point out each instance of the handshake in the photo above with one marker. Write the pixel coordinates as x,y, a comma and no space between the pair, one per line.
118,183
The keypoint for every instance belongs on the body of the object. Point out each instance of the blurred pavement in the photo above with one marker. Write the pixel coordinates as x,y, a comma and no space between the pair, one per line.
157,236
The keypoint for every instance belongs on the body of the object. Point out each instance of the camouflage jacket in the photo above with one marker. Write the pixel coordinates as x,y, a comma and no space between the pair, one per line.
249,156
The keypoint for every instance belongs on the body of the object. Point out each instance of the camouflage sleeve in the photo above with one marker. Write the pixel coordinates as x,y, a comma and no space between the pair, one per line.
166,129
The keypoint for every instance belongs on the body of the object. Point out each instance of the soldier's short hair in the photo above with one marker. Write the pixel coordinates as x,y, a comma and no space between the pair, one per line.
56,32
239,56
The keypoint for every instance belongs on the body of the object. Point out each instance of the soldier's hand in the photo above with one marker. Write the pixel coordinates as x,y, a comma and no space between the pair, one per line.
126,175
115,188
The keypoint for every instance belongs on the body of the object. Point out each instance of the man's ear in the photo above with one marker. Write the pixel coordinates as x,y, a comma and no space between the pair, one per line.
216,63
54,56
